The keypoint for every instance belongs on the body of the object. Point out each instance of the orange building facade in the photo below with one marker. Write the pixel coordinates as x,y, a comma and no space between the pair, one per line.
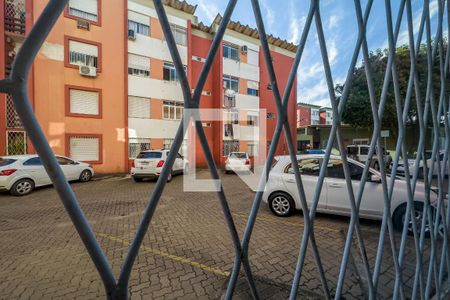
104,87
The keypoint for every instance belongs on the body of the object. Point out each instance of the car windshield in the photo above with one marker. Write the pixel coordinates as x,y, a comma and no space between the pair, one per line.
6,161
153,154
238,155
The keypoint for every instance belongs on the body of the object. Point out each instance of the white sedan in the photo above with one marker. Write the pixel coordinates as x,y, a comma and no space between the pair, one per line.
283,199
20,174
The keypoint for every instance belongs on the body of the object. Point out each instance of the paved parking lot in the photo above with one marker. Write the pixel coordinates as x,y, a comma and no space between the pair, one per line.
187,252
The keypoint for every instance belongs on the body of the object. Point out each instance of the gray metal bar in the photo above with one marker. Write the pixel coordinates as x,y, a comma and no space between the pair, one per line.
16,85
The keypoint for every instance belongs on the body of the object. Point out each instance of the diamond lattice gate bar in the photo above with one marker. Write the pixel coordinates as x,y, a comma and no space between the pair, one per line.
429,232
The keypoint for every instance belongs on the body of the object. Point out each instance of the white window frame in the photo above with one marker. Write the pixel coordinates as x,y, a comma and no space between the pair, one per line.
79,10
174,110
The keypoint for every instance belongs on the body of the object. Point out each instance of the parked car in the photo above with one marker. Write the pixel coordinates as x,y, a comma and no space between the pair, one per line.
149,164
282,196
412,164
20,174
237,162
361,153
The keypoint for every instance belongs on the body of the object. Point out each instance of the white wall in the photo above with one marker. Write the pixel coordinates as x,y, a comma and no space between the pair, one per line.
152,128
247,102
241,70
148,11
153,88
151,47
248,133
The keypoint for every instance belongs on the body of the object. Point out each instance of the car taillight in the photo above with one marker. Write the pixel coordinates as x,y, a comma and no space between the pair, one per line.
160,164
247,161
7,172
133,164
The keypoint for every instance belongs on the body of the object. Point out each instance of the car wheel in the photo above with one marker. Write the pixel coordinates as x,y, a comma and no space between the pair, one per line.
281,204
399,218
169,178
22,187
85,176
137,179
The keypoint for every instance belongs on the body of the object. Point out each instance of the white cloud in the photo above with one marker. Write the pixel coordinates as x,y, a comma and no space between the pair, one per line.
295,23
332,51
334,20
209,8
270,17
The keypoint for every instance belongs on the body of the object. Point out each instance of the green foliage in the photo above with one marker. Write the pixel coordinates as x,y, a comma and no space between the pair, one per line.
357,111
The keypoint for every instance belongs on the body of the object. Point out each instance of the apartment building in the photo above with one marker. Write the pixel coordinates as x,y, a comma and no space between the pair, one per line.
104,86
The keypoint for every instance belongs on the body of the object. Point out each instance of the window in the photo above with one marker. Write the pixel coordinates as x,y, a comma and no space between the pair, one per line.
252,57
139,23
136,145
64,161
85,148
230,146
172,110
138,65
179,34
336,170
364,150
170,73
150,154
310,167
231,116
252,149
228,130
167,143
253,88
84,102
231,52
83,54
85,9
252,120
138,107
231,83
35,161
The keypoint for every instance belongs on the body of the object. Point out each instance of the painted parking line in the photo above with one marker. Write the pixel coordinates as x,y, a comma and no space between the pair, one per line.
173,257
279,220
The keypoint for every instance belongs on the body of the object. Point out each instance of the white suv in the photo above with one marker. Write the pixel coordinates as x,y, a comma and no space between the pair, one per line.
149,164
361,154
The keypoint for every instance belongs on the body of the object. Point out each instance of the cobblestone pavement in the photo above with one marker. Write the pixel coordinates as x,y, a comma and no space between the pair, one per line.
187,253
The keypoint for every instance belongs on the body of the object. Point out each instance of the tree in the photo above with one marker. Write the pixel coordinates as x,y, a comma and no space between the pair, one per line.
357,111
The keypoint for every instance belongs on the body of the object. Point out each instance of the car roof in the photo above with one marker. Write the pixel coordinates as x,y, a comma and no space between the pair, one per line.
24,156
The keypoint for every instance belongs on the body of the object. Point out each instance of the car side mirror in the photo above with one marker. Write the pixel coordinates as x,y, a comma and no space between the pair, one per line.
374,178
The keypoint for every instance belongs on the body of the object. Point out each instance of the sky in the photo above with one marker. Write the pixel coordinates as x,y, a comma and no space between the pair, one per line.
285,19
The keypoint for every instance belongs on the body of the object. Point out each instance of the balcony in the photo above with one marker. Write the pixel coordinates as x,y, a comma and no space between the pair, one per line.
15,16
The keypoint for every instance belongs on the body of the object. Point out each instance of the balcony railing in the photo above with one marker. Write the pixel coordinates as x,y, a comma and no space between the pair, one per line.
15,16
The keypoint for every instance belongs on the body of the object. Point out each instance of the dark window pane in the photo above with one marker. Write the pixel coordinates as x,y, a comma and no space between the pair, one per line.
6,161
154,154
335,169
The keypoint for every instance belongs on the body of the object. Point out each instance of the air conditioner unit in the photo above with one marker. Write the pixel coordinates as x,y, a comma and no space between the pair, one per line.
244,49
131,35
88,71
82,24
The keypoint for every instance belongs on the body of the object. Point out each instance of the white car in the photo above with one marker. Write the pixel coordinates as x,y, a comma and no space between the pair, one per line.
20,174
412,164
282,196
149,164
237,162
